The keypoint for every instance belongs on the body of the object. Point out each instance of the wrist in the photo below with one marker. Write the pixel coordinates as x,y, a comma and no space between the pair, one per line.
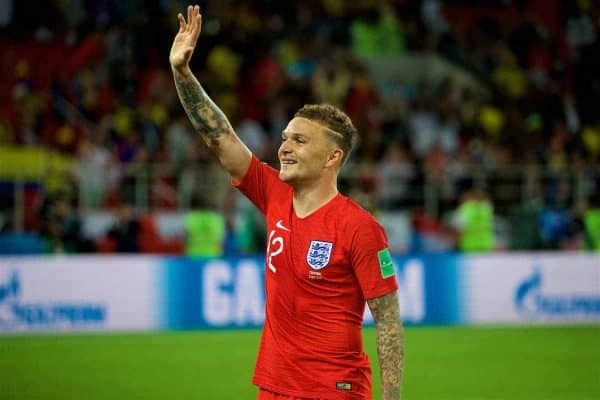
181,69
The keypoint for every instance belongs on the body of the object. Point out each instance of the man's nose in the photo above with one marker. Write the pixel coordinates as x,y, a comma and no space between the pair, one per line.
284,149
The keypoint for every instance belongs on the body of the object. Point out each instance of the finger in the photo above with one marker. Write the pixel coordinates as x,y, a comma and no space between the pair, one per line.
182,24
194,16
189,17
197,22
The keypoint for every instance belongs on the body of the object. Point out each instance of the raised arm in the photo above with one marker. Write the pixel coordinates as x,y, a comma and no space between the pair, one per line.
390,343
206,117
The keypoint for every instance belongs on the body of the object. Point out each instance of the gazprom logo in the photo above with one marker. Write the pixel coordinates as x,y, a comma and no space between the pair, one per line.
9,292
15,313
533,303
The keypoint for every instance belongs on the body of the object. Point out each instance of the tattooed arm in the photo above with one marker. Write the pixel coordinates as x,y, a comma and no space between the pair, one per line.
390,343
206,117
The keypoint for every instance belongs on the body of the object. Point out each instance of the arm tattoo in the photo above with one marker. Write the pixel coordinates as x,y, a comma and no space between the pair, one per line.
390,343
206,117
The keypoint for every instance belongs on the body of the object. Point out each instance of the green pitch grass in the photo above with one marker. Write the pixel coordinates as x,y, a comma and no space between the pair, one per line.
546,363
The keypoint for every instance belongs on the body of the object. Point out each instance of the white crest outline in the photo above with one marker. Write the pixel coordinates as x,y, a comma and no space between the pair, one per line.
319,254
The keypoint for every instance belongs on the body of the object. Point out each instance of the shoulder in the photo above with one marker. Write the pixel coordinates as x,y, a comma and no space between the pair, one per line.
260,167
355,218
269,177
260,171
354,212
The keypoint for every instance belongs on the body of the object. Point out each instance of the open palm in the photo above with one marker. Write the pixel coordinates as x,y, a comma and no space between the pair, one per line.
185,40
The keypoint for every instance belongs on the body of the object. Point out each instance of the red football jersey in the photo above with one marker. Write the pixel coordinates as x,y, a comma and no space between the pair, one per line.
319,272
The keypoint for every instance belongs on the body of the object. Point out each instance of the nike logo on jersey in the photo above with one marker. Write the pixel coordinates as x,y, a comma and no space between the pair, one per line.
279,224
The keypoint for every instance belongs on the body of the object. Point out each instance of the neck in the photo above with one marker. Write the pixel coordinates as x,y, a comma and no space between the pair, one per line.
308,199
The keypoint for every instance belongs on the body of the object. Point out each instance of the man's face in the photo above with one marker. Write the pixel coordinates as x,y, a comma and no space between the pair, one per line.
304,152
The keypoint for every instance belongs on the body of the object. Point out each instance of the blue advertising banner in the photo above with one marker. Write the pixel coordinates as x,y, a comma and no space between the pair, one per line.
92,293
229,293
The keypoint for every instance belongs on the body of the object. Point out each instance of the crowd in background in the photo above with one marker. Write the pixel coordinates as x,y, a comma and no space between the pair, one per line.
90,79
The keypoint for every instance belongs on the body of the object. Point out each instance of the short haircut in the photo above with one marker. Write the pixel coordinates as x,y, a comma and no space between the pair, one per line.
344,133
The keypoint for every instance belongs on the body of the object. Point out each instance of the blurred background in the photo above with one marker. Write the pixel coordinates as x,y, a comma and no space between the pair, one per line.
479,153
455,101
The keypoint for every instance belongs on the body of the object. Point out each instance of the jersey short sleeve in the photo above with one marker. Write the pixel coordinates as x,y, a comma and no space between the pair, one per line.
371,260
259,183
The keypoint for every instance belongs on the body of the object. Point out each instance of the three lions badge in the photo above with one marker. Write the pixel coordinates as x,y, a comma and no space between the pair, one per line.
319,254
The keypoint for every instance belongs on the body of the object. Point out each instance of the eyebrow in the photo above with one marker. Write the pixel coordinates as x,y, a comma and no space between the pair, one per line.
284,132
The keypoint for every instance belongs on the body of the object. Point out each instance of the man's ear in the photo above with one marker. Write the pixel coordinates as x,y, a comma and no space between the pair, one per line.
335,158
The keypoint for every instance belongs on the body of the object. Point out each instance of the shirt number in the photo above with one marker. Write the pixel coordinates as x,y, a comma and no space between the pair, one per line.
274,247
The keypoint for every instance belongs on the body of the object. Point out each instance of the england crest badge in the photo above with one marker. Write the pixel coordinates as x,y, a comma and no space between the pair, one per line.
318,254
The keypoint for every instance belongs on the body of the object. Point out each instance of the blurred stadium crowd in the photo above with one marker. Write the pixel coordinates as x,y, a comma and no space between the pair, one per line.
494,101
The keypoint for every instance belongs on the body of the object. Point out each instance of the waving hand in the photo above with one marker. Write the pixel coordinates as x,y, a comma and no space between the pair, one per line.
186,38
206,117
